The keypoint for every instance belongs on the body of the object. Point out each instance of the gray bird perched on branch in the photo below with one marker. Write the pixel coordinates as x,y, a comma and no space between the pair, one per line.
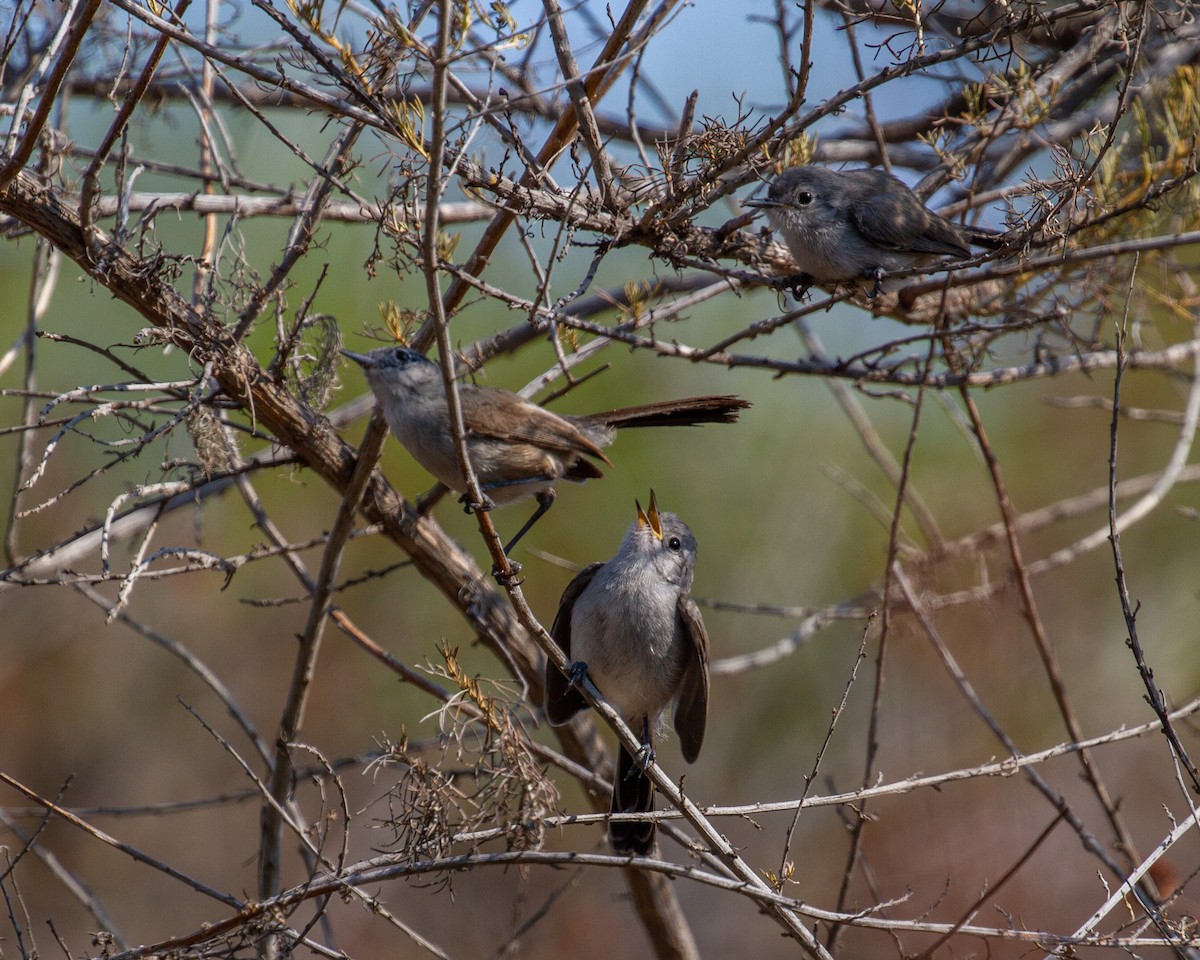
631,626
517,449
842,226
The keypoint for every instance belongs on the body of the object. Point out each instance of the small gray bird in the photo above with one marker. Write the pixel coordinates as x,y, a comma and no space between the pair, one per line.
517,448
633,628
854,225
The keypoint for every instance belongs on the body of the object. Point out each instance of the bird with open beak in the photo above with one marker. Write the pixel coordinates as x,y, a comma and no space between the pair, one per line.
632,626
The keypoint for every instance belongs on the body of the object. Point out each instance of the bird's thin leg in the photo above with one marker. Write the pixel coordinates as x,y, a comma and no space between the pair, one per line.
797,284
878,274
429,499
645,756
576,673
545,500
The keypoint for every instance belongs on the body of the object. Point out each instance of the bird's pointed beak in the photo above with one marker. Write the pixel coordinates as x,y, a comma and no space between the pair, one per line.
360,358
649,518
763,204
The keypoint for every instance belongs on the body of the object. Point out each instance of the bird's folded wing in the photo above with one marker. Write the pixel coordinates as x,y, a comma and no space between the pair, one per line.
488,412
691,711
562,700
890,224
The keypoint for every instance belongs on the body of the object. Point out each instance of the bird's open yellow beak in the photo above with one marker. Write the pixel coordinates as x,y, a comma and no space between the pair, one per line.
650,518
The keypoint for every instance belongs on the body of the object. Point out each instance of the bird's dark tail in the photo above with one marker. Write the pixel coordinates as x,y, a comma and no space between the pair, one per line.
633,792
672,413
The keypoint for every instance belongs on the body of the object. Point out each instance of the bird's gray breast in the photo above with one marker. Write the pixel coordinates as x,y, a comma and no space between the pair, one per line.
626,628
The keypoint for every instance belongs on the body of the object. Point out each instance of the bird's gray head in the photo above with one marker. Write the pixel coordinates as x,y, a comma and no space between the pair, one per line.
809,195
395,368
664,543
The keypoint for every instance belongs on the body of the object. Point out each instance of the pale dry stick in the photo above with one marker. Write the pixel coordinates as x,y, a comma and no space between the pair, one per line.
77,18
198,560
603,73
74,884
658,314
1154,694
300,237
283,205
164,490
204,263
1164,359
786,866
128,849
135,568
1170,474
71,551
45,275
270,79
104,409
382,869
1065,509
281,785
854,854
85,392
314,855
193,663
961,276
585,119
781,649
1037,627
874,445
1003,769
437,311
1056,799
118,127
1136,414
1128,886
227,565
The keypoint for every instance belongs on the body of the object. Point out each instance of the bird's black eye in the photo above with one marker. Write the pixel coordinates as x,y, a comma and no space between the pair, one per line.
804,199
674,543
